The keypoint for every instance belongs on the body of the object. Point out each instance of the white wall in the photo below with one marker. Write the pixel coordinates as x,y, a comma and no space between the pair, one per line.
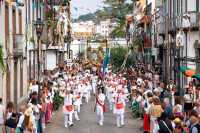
191,5
50,60
191,37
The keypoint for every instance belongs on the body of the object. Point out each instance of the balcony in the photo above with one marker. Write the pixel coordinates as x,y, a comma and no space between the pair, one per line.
18,41
160,28
172,25
188,21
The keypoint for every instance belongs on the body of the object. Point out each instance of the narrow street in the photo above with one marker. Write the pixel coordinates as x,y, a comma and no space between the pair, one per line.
88,123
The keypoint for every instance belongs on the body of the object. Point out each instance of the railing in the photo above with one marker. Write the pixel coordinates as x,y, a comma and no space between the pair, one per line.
160,28
189,20
172,24
18,44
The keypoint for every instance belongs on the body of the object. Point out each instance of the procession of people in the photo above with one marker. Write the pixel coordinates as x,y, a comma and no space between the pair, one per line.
140,88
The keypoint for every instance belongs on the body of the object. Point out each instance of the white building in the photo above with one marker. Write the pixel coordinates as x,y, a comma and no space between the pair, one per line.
176,26
83,30
104,28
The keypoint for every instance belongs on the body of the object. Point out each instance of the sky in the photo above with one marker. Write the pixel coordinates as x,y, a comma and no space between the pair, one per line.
80,7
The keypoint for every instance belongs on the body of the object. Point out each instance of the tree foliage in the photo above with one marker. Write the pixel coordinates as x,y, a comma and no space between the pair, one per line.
2,67
115,10
118,55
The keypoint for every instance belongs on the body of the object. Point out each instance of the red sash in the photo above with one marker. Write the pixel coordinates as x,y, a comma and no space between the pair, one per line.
102,105
119,105
78,96
69,107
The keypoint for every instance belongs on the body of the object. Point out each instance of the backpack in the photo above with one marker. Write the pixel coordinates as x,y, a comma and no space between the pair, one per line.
197,126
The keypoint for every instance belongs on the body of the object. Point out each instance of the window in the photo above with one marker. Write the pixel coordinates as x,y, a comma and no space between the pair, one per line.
197,50
20,21
6,25
14,25
21,78
191,5
198,4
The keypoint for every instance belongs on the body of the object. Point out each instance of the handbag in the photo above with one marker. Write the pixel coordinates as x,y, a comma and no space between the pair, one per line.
167,126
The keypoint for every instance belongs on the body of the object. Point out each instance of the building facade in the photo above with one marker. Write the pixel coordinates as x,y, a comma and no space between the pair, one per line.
176,36
12,37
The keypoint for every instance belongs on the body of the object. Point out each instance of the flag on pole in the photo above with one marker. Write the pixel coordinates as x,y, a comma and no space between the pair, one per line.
106,61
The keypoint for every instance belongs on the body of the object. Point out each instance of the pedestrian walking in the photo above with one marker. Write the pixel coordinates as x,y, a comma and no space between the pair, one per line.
119,107
68,109
2,116
100,106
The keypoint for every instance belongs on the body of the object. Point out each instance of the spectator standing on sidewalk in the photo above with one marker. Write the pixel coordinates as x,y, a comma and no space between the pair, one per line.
10,120
20,125
2,116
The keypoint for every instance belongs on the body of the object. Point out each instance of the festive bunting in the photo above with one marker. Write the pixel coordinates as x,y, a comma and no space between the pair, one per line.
196,76
189,73
183,68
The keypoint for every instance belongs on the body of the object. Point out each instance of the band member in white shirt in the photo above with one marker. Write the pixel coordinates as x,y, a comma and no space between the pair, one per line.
119,107
68,109
100,106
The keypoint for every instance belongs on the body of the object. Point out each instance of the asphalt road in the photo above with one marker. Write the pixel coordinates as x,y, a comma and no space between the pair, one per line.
88,123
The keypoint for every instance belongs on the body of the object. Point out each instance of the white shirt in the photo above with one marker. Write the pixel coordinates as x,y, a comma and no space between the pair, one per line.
139,81
21,120
34,88
2,111
101,98
68,99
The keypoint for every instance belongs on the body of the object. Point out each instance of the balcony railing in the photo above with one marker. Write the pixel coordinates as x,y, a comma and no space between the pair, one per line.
161,26
189,20
18,44
171,24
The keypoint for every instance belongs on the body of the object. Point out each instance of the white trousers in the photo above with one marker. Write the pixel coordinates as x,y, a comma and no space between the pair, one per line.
94,88
100,115
111,105
76,115
78,108
86,96
68,119
120,119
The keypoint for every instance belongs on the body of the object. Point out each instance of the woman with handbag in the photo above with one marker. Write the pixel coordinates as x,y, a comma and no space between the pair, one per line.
11,118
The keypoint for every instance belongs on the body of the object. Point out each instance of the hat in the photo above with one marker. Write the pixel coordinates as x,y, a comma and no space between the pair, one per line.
177,120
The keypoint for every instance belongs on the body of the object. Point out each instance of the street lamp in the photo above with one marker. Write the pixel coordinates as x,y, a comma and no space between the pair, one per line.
39,29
